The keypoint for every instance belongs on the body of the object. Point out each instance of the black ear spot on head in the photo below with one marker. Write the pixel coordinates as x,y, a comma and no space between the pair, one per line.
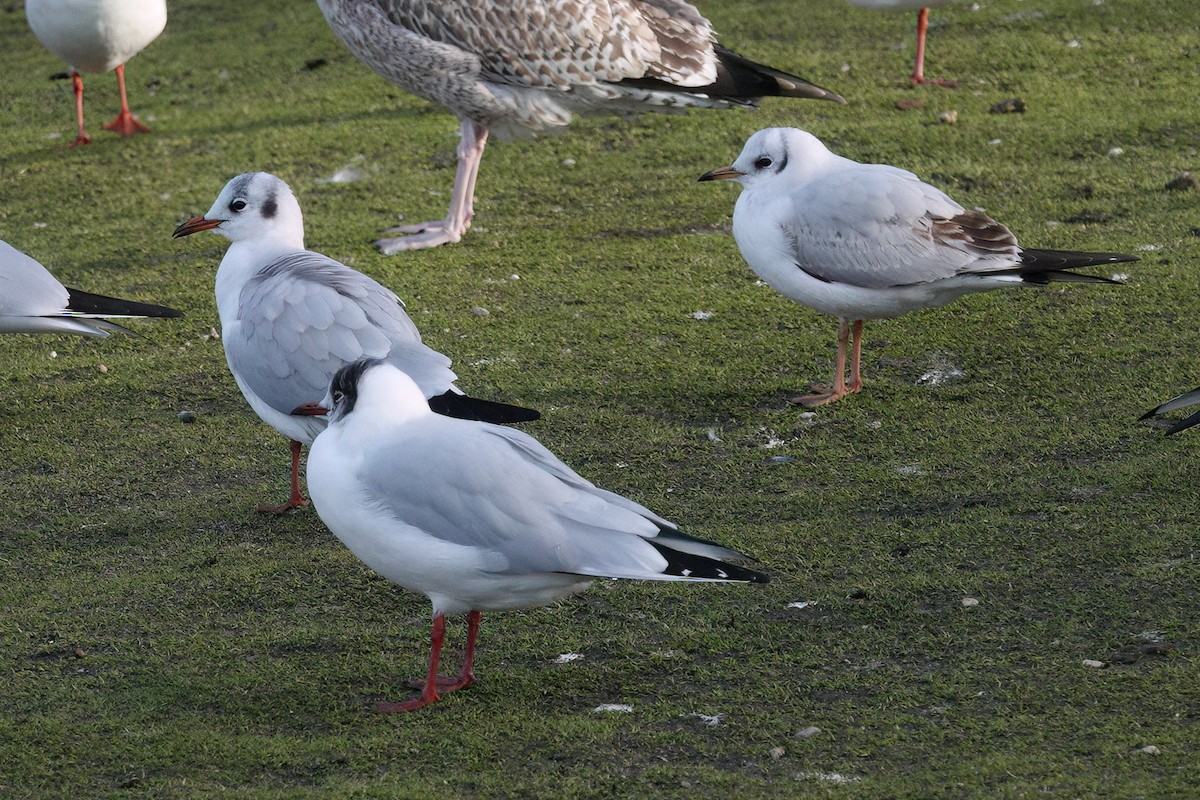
345,382
270,207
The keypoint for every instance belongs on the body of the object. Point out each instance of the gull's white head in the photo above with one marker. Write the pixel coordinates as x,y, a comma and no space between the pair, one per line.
375,389
256,205
773,154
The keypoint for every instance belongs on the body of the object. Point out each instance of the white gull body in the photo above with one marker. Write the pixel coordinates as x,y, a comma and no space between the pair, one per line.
871,241
97,36
521,67
291,317
479,517
33,301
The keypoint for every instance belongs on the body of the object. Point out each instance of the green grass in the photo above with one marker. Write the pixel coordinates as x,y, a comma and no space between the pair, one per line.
159,639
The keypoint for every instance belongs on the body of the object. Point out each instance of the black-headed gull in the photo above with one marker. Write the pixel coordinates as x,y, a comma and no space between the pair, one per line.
871,241
477,517
524,67
290,318
98,36
922,8
33,301
1185,400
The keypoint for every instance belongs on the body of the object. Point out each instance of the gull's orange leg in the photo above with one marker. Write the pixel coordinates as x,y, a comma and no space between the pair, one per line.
433,684
823,394
918,76
82,138
125,122
296,500
855,384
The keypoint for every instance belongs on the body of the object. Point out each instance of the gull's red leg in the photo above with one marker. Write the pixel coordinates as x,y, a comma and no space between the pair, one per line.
855,384
125,122
82,138
429,692
824,395
297,499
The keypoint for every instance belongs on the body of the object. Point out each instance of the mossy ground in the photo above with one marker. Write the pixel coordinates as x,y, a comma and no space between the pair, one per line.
159,639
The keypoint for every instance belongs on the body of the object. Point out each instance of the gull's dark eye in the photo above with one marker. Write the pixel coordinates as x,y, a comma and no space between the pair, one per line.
237,205
762,162
338,394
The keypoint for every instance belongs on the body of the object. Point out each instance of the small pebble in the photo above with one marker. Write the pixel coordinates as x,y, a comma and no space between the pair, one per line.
778,752
185,416
702,315
1116,151
479,311
1089,662
948,117
568,162
620,708
103,369
808,733
1149,750
970,602
1184,181
54,354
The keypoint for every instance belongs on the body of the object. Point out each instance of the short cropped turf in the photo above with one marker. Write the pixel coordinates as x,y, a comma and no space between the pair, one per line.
984,568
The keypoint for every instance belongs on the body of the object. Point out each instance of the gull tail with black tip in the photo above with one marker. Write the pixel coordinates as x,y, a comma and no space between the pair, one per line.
1185,400
694,558
1054,266
461,406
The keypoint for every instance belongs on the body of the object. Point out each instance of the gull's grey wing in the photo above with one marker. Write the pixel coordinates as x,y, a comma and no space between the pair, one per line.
1185,400
876,226
306,315
26,287
499,491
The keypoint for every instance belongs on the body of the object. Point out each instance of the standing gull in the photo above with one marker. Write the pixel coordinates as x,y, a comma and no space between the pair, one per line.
290,318
33,301
523,67
475,516
1185,400
871,241
98,36
922,8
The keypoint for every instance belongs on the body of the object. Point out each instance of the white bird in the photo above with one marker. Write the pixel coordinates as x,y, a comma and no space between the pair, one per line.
97,36
1185,400
33,301
922,8
523,67
871,241
477,517
290,318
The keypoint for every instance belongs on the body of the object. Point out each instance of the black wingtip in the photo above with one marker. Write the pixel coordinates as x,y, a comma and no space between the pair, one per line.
690,565
461,406
88,303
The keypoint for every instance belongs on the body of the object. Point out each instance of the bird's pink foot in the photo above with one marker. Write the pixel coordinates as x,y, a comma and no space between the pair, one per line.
821,396
420,236
81,139
126,124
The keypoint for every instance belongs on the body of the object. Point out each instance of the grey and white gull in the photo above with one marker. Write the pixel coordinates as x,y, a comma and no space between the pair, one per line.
97,36
33,301
477,517
523,67
871,241
290,318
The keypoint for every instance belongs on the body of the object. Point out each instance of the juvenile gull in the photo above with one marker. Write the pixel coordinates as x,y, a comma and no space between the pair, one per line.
290,318
922,8
524,67
33,301
475,516
98,36
871,241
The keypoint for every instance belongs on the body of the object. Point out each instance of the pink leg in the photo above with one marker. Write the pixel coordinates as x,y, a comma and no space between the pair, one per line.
823,394
125,122
297,499
918,76
855,357
462,199
82,138
429,690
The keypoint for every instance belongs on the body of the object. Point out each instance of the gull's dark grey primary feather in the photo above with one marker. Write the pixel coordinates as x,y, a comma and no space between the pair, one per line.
1185,400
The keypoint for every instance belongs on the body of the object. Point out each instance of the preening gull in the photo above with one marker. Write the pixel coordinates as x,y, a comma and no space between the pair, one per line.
522,67
477,517
98,36
33,301
290,318
871,241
